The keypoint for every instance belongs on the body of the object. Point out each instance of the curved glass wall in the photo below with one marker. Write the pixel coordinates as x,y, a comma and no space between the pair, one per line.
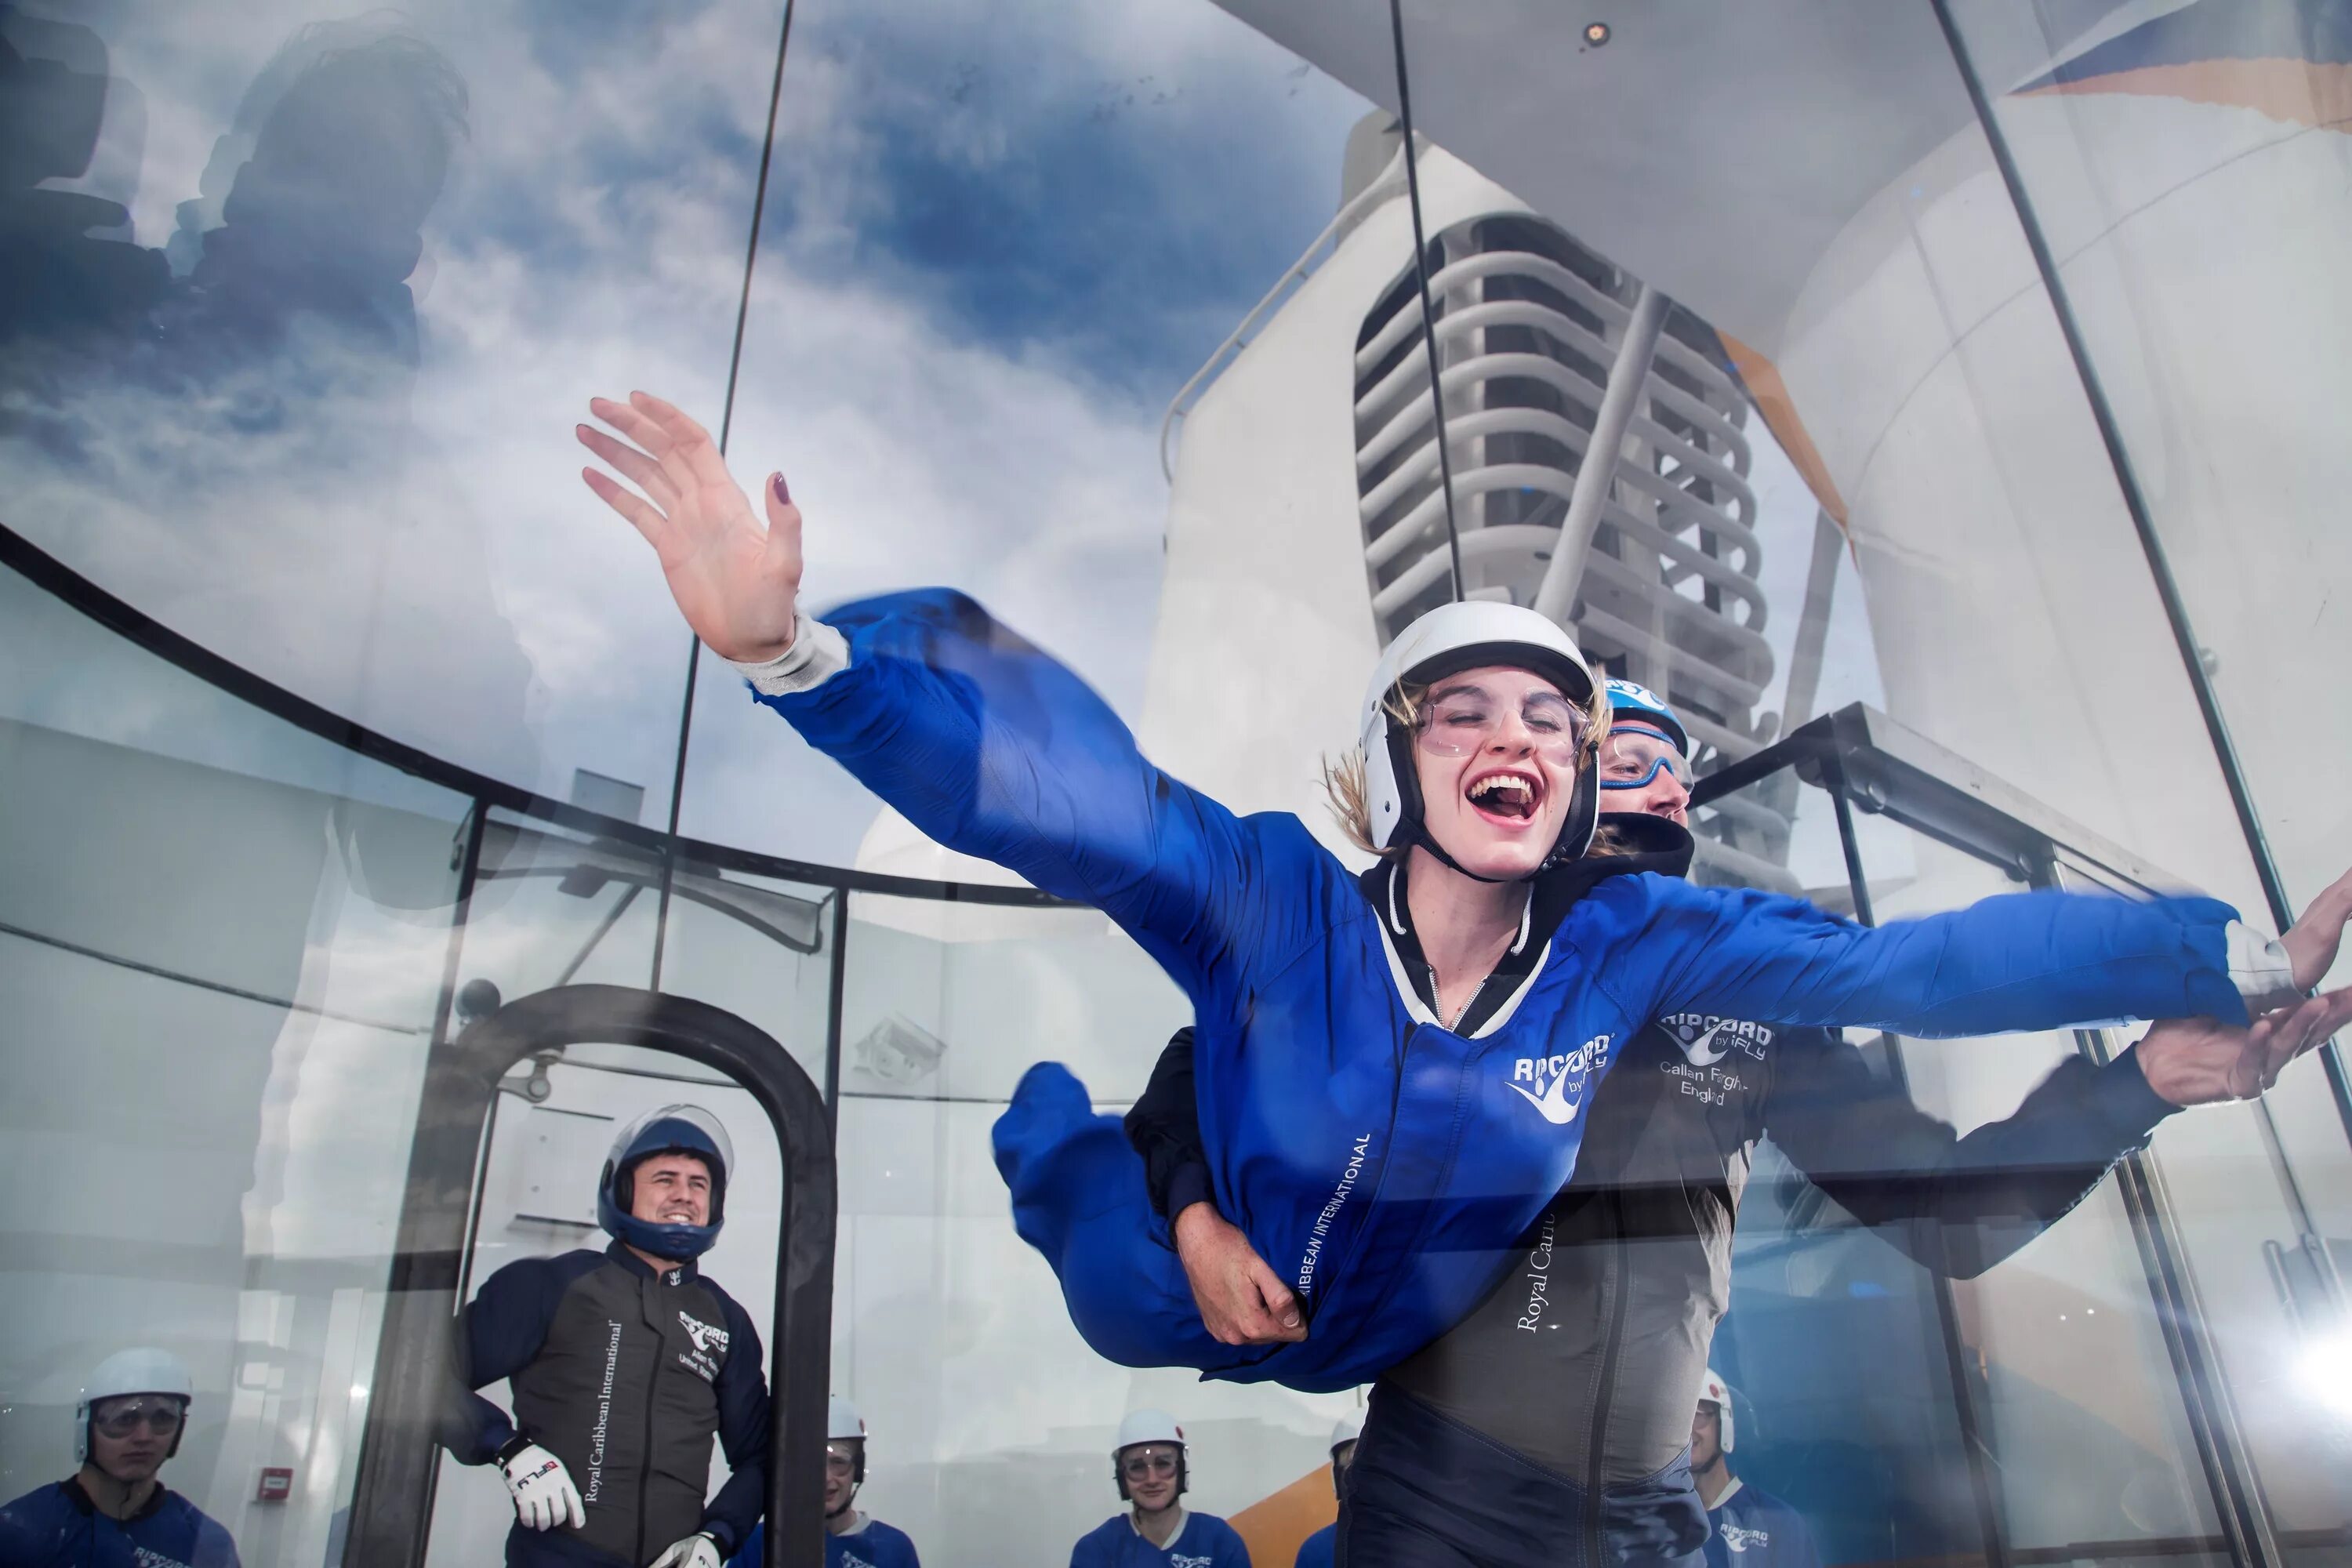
1899,392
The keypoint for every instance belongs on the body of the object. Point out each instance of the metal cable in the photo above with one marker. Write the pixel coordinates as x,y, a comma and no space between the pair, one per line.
1428,314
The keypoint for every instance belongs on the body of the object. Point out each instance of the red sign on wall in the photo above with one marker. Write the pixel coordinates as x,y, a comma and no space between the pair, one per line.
276,1484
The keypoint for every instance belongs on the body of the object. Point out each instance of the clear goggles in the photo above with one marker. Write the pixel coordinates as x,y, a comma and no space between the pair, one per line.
1465,720
159,1413
1150,1462
840,1460
1633,759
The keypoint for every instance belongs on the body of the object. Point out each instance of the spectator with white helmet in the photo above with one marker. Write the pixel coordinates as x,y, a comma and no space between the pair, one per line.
113,1512
1318,1550
1151,1465
853,1538
623,1364
1746,1526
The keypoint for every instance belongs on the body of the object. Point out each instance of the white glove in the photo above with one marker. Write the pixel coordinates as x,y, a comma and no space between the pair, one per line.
694,1551
543,1492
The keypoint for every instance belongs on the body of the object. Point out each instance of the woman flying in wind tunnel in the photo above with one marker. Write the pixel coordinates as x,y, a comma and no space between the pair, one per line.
1393,1066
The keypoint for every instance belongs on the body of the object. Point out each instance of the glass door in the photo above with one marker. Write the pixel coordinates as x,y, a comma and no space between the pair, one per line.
2141,1381
517,1113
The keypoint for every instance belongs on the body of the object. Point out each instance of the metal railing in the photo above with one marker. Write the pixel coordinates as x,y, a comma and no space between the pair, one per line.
1389,183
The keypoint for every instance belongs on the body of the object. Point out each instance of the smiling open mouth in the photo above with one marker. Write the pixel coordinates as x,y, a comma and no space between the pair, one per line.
1512,796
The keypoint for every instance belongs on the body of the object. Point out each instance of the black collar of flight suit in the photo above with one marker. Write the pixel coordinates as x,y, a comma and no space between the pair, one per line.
1644,842
685,1271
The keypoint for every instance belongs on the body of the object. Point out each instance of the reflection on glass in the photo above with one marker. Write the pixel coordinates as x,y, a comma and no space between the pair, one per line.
222,952
1007,236
295,306
2071,1383
548,1158
294,311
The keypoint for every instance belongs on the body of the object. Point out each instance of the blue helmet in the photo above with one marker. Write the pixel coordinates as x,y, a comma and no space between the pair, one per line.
1627,700
672,1130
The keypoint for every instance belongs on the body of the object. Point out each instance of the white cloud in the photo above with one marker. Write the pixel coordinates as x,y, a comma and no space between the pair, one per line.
454,585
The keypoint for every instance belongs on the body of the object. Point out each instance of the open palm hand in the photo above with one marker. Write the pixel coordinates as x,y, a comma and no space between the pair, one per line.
736,579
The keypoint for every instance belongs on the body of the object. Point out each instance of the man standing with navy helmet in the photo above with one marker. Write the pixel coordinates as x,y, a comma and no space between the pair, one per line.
623,1363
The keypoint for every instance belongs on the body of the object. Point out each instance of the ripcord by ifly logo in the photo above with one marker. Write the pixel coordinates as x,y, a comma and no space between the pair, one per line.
703,1334
1554,1073
1703,1052
1552,1104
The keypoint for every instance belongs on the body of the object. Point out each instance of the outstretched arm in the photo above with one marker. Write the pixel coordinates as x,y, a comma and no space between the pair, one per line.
984,743
1976,1199
2022,960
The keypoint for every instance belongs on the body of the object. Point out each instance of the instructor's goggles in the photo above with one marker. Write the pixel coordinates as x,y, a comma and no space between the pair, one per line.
1139,1466
1461,722
159,1413
1632,759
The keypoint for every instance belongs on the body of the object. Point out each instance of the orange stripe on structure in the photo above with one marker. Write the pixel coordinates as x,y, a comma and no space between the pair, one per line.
1272,1526
2299,92
1771,398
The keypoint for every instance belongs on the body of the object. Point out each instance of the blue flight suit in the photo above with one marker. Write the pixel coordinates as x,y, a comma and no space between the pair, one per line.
57,1526
1205,1541
1753,1529
873,1544
1381,1163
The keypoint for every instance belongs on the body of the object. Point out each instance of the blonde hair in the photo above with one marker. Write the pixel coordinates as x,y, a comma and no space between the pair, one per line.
1347,792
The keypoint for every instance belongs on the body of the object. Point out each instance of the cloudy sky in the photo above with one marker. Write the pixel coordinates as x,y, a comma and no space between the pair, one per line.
997,238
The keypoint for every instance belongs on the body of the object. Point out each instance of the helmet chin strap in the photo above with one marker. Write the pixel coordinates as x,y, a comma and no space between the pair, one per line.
1428,840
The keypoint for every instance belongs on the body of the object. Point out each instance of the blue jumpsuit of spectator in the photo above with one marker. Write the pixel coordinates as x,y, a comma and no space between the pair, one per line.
1203,1540
872,1545
1750,1527
57,1526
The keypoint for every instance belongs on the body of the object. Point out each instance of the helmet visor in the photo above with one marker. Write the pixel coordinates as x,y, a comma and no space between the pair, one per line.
687,1129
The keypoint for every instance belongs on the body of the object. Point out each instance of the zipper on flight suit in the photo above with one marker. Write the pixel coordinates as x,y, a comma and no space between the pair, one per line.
652,1379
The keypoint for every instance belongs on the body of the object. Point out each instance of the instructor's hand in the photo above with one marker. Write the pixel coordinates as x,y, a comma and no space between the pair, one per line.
2310,942
736,582
2196,1061
694,1551
1240,1299
542,1490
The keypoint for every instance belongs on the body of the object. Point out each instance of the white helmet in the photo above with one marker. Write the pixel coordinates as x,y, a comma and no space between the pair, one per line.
1150,1427
1717,1393
1449,640
141,1370
842,1424
1347,1429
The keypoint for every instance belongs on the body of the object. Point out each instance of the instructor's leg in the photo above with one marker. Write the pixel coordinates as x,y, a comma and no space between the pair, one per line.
1424,1491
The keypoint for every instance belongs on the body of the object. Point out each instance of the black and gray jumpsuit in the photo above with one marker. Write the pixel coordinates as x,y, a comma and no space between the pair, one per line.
625,1372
